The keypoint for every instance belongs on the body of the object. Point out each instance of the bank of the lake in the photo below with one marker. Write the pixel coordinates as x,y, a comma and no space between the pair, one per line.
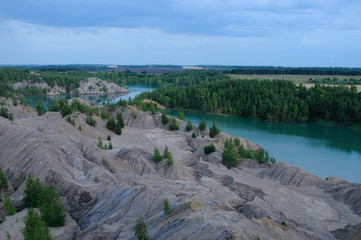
320,149
323,150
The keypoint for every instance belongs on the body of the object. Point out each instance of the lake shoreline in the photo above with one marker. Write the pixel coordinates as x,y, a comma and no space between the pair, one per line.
355,127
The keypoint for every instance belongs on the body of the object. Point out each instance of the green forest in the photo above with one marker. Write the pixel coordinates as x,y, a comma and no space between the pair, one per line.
212,92
71,80
277,100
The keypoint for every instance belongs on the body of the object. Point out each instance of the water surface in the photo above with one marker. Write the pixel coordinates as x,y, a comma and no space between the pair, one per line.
319,149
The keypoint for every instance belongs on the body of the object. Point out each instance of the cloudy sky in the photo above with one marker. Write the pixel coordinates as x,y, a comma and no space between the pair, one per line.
184,32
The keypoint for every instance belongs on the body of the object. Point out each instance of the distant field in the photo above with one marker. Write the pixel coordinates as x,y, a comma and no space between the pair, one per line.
297,79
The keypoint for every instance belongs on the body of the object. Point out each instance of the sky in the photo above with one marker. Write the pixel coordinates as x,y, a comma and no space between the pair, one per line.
306,33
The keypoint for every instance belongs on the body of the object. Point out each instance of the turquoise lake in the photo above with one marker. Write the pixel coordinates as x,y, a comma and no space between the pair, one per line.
319,149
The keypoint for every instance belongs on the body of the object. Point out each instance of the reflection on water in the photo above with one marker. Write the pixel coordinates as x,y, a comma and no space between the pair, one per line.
320,149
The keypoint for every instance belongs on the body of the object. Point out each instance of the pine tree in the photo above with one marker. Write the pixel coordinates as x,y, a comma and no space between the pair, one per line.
164,118
169,160
229,155
157,157
173,125
120,119
52,210
213,131
111,124
140,229
35,229
189,126
100,143
9,208
3,180
110,145
32,192
40,108
166,207
166,152
202,125
118,129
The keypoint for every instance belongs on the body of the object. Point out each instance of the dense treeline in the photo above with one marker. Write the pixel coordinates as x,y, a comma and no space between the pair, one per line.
297,71
269,100
335,81
71,79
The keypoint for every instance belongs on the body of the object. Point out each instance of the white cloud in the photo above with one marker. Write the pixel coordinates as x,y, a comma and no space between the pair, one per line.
24,43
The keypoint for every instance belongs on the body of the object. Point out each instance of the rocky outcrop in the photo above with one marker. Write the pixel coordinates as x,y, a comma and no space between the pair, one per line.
348,193
50,91
348,232
288,175
104,191
19,111
98,86
88,86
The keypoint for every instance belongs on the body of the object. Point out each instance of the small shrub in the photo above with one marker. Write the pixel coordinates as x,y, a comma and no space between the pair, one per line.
165,119
134,115
15,101
157,157
8,206
79,128
70,120
213,131
169,160
209,149
166,207
202,125
3,180
109,138
229,155
111,124
100,143
140,229
118,129
110,145
243,153
104,88
104,114
52,210
120,119
40,108
91,121
194,135
35,228
168,156
283,223
189,126
32,192
4,113
23,101
173,125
